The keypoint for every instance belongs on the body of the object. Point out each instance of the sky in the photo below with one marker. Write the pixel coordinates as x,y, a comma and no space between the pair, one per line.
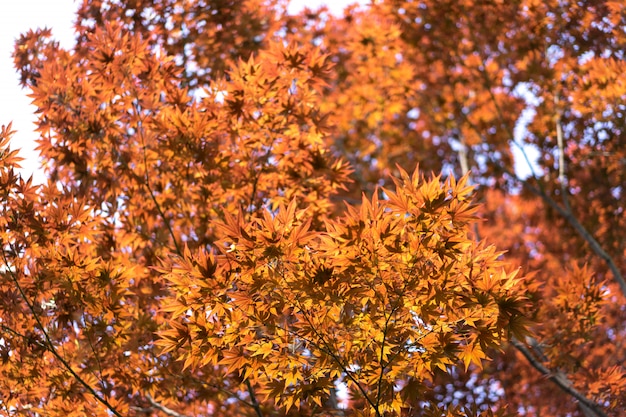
18,16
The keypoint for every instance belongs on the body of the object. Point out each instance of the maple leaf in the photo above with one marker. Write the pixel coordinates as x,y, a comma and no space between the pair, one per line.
230,224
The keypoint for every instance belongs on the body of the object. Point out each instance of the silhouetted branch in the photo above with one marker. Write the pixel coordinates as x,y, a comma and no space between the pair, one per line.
253,400
583,232
560,379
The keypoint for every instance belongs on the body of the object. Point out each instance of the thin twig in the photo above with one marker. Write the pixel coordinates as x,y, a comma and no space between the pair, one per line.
382,367
489,87
163,408
149,187
218,388
327,349
50,346
95,355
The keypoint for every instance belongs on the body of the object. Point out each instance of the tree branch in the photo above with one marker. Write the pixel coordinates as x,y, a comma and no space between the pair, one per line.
539,191
559,378
562,176
589,408
582,231
253,400
462,152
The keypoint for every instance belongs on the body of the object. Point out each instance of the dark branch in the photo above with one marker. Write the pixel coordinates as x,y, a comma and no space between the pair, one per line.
253,400
559,379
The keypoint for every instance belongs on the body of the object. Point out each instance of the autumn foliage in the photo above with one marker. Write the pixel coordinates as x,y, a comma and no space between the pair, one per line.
254,213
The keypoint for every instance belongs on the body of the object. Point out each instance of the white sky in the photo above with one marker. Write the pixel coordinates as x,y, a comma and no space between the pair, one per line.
18,16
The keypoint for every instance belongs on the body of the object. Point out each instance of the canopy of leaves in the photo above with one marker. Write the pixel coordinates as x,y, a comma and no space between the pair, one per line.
233,224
